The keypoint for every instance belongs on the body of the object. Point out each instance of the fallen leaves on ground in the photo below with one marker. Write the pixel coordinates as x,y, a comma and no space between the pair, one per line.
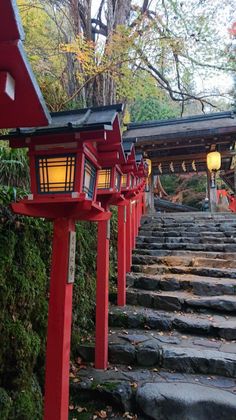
134,385
102,414
81,409
130,416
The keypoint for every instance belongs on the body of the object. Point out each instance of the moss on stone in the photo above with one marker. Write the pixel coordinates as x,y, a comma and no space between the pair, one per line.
5,404
25,254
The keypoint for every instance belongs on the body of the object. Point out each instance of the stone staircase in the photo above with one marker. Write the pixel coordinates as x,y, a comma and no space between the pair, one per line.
172,349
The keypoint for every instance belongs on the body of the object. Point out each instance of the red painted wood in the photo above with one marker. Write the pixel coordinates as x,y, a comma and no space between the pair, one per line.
59,326
10,25
133,224
128,237
28,108
78,209
121,295
140,208
137,216
101,347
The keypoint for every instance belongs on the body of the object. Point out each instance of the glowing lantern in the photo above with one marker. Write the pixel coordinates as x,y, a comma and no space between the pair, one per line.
213,161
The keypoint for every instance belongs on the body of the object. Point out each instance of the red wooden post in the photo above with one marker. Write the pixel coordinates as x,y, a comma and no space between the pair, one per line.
137,217
128,237
59,326
101,349
133,224
140,208
138,213
121,295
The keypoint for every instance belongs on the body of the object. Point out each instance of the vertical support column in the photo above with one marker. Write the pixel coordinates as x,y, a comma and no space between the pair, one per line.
102,298
133,224
150,195
212,191
136,218
128,237
59,323
121,295
140,208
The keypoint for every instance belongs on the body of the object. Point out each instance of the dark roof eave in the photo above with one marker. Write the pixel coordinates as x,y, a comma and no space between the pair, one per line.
183,135
20,133
174,121
115,107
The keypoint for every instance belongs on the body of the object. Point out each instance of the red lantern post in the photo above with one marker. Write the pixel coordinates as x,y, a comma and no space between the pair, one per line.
63,171
111,156
127,226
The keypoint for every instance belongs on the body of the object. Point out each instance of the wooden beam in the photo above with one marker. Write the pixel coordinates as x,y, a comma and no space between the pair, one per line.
207,133
187,158
167,146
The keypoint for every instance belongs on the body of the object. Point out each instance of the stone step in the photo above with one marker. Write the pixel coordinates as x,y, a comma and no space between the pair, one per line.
178,401
186,261
188,222
198,285
181,301
206,324
222,228
183,239
161,219
185,234
188,215
187,354
183,222
157,269
158,394
220,247
185,253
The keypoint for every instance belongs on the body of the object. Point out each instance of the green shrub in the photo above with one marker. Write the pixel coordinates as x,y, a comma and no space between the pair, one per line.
28,403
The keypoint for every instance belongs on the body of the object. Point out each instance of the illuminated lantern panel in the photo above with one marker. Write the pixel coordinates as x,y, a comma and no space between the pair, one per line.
68,173
89,179
104,179
213,161
124,181
56,174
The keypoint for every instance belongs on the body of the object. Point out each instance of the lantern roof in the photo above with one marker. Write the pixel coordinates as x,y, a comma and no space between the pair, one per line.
21,101
138,157
72,121
128,146
130,151
98,125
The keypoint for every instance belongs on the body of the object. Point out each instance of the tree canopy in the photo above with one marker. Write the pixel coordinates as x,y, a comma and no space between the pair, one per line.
96,53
